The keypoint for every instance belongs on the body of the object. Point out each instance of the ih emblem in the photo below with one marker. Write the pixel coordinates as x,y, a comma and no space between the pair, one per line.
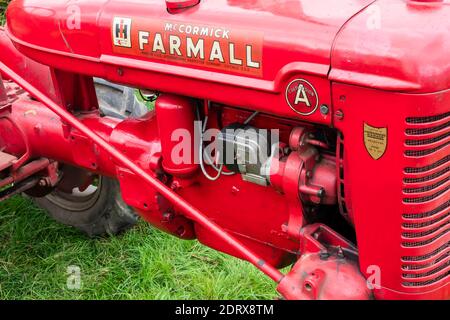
122,32
375,140
302,97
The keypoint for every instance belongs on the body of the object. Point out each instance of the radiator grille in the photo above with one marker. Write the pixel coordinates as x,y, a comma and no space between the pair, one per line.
426,217
428,282
425,224
426,274
426,152
427,141
425,242
427,178
427,265
430,255
429,167
427,188
416,132
431,213
418,120
427,198
413,235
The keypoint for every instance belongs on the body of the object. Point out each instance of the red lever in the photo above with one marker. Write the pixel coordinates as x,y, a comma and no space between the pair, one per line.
181,4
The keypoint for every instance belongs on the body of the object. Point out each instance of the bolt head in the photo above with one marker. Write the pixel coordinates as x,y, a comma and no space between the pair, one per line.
321,193
42,183
324,109
339,114
168,216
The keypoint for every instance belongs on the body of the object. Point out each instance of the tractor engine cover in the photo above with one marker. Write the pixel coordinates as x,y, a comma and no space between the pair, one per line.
248,60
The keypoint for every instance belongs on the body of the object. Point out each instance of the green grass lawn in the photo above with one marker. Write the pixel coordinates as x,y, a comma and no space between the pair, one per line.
3,4
143,263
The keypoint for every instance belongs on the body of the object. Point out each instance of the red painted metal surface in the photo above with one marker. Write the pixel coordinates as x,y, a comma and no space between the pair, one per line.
37,74
3,94
176,113
25,172
399,205
298,39
407,59
370,78
175,5
319,275
6,160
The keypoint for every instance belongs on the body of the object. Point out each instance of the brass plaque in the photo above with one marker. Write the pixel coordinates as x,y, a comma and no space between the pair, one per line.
375,140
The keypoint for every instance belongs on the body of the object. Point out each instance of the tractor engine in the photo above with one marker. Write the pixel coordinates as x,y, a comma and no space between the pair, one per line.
305,133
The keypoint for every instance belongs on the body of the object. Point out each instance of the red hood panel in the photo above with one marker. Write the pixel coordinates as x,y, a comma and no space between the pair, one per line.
279,32
396,45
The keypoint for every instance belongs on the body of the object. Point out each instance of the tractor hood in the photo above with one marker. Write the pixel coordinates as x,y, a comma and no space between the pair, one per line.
253,38
262,45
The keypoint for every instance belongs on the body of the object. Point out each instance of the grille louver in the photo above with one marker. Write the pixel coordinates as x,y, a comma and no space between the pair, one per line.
426,217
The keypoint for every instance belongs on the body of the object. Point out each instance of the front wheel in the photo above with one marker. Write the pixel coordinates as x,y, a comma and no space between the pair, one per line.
97,211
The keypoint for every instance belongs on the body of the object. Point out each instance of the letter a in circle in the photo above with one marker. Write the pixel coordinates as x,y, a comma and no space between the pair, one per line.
302,96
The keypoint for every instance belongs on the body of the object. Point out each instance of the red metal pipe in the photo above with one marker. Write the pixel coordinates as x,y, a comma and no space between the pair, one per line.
121,159
25,171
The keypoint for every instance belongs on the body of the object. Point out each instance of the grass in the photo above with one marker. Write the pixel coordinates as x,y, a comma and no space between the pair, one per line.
143,263
3,4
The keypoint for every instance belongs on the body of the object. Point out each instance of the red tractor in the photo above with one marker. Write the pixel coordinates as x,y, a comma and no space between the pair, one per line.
307,133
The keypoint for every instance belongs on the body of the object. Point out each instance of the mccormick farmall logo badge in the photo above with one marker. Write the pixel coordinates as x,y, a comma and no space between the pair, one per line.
122,32
375,141
217,47
302,97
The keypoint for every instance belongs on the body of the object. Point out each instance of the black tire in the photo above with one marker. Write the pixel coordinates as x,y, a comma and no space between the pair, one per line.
98,213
